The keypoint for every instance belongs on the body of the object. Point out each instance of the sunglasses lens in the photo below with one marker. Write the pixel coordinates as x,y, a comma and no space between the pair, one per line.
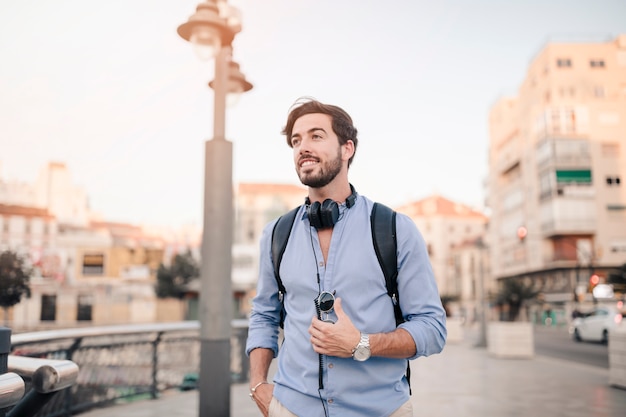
326,300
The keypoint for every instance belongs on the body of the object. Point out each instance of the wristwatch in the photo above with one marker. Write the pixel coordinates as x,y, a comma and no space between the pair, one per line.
362,351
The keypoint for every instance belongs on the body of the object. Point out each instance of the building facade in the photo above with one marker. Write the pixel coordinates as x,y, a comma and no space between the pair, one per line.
557,164
256,205
85,271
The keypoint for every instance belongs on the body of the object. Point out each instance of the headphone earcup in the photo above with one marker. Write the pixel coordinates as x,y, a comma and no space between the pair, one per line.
313,211
329,213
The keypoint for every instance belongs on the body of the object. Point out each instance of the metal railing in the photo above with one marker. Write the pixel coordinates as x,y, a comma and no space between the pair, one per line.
44,377
125,362
11,390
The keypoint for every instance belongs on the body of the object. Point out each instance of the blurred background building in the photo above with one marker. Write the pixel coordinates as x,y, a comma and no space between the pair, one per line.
454,235
555,192
557,163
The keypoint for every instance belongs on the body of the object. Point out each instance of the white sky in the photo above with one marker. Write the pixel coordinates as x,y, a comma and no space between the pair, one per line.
110,89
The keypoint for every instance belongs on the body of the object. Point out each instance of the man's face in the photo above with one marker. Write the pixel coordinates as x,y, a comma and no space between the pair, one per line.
316,150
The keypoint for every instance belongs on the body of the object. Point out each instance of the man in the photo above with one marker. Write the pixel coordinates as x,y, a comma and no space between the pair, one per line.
348,358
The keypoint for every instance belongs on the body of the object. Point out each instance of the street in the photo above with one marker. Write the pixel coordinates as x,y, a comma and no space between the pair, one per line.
556,342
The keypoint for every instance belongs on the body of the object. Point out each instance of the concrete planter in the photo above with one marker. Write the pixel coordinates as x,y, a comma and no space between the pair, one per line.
617,357
455,330
510,339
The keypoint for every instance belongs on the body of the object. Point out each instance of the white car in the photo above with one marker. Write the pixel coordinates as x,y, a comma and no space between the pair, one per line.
594,326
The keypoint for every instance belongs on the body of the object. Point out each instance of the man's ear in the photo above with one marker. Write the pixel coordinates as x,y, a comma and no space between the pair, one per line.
347,150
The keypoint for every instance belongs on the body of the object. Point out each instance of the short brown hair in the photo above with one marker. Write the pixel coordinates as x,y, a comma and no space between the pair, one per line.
341,121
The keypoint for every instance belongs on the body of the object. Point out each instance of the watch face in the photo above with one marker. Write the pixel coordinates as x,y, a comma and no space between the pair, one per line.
362,353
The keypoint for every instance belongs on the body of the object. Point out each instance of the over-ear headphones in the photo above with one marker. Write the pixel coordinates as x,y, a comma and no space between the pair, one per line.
324,215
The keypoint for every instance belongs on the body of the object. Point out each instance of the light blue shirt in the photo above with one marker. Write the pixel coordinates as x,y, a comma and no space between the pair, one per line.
378,386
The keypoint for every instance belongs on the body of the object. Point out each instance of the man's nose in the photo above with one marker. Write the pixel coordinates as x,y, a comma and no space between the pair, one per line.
305,145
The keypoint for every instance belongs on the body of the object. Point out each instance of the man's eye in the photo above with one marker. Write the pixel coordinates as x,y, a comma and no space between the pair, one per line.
295,141
316,136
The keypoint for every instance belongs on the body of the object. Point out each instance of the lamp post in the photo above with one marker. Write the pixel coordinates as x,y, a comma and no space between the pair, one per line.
482,338
211,30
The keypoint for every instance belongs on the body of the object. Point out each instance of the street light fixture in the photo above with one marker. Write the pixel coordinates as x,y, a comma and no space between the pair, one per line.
236,85
207,30
211,30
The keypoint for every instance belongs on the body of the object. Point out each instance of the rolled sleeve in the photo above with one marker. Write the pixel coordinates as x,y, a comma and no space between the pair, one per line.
266,306
419,297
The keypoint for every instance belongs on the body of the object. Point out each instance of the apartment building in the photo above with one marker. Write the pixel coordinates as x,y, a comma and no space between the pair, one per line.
557,165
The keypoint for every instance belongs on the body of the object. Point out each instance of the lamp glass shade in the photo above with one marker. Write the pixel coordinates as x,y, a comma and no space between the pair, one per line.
232,99
205,41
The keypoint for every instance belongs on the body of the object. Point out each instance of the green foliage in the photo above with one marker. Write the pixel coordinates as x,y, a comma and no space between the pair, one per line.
173,281
513,294
14,279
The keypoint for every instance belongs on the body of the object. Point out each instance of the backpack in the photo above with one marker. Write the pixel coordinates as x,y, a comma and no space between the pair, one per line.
383,224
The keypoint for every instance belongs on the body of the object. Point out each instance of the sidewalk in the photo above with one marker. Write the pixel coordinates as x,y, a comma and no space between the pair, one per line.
462,381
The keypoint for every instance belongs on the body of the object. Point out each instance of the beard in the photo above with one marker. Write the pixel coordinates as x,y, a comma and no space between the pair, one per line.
326,173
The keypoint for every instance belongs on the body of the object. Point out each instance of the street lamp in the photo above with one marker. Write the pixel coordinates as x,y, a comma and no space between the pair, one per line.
482,337
211,30
237,83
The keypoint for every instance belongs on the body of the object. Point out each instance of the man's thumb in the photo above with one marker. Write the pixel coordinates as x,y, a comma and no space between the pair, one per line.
338,307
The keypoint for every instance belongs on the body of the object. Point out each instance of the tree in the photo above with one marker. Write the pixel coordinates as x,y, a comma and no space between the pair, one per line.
514,293
14,281
173,281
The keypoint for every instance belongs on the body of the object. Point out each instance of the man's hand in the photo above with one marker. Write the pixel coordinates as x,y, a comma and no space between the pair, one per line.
262,396
338,339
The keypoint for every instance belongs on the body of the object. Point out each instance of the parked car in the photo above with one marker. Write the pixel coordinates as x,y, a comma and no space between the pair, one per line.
596,324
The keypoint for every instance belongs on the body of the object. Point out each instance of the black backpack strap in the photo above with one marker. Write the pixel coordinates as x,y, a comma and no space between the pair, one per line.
383,222
280,236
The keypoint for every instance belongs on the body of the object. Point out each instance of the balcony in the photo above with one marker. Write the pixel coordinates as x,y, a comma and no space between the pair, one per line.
562,216
562,153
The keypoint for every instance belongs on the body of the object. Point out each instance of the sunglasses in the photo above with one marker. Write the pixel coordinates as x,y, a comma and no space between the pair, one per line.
325,303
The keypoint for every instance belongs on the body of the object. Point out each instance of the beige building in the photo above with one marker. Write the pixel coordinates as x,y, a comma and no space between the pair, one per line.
446,226
256,205
469,264
557,165
84,271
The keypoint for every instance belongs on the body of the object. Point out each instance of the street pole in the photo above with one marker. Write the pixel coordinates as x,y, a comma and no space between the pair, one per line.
215,287
211,32
482,340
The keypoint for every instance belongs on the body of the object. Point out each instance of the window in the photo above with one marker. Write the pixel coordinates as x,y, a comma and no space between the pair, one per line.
85,307
613,181
610,149
564,62
93,264
596,63
48,307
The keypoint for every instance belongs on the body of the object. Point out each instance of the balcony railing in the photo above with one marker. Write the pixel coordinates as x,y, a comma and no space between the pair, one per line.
128,362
